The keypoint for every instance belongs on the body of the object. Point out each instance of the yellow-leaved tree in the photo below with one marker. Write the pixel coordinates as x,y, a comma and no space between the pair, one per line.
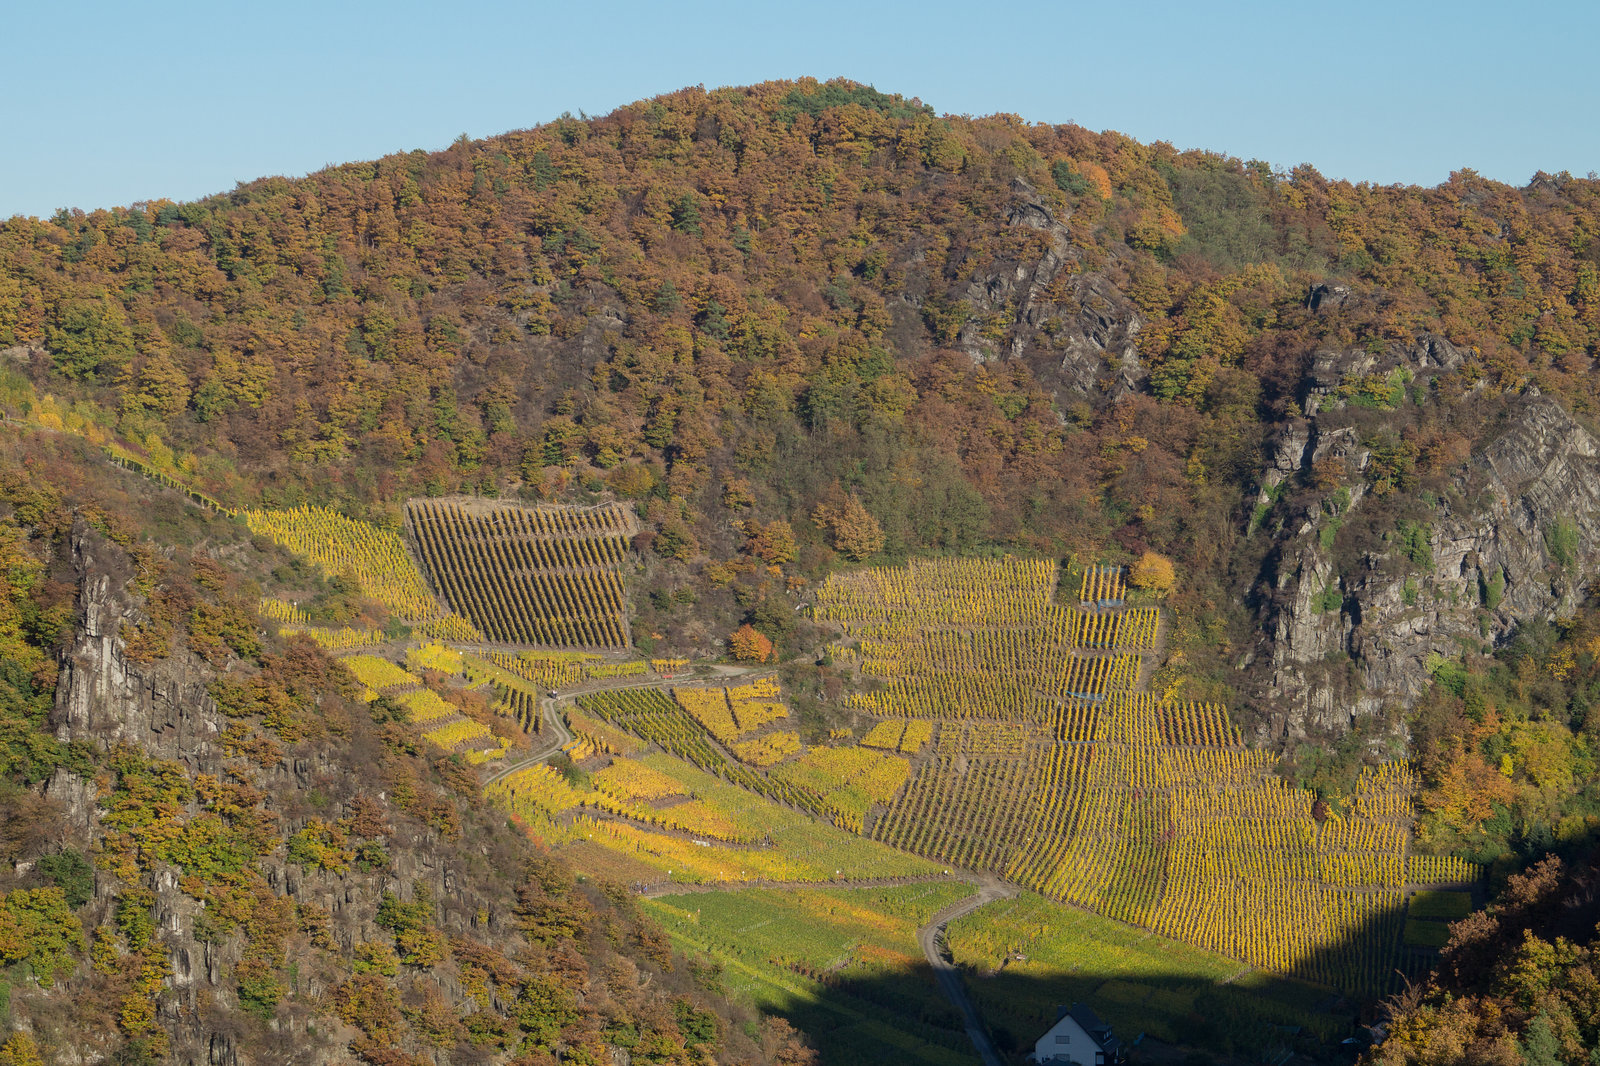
1153,571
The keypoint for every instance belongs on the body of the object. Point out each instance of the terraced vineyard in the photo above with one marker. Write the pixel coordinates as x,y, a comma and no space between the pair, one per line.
440,722
375,557
528,575
1009,737
292,621
1051,770
723,832
837,784
731,713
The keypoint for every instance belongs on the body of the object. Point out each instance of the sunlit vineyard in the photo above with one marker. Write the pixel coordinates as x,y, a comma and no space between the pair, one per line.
885,734
376,558
708,829
1052,770
698,803
731,713
600,737
547,669
286,613
769,749
435,657
608,671
526,575
1102,585
658,718
839,785
516,697
916,736
1009,735
440,722
533,791
462,734
378,674
792,846
631,779
850,780
341,639
452,627
426,707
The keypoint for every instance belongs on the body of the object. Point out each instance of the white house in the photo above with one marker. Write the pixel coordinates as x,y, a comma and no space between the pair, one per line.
1078,1037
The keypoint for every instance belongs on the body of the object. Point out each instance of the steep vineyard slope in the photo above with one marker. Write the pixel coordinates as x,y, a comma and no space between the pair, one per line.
753,311
214,852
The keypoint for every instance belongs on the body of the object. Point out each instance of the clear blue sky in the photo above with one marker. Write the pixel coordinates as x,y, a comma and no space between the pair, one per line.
112,102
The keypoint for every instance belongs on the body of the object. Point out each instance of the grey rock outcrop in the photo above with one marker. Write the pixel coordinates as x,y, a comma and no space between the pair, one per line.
1334,369
1508,542
107,699
1075,329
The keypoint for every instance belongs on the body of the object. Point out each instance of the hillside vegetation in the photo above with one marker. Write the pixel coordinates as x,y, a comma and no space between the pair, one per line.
225,853
779,318
886,497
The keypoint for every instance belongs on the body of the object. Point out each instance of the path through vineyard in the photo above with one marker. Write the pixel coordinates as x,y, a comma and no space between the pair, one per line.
1053,766
561,736
931,937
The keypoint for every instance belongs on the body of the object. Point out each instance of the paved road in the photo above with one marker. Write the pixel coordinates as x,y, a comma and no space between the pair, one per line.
948,977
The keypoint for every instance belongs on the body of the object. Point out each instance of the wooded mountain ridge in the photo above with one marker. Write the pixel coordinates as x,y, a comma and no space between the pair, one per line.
802,325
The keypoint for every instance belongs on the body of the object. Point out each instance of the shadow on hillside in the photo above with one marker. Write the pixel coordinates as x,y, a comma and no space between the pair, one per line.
1183,1017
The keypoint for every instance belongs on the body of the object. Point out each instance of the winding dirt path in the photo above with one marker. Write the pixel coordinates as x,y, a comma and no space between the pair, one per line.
559,736
931,937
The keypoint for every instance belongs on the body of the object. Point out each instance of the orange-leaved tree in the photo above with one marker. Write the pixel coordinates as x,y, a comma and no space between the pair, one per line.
750,644
852,530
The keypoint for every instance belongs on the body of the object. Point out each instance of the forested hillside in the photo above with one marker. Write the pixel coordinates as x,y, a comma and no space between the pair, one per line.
753,310
1516,982
768,345
215,852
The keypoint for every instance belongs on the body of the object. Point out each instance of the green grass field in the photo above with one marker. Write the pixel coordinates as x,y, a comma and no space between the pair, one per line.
1421,933
843,964
1447,906
1025,956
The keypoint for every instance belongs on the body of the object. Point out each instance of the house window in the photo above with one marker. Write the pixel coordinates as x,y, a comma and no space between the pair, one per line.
1099,1058
1063,1038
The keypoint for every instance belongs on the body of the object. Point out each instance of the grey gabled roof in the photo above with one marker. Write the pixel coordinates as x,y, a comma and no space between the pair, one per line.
1098,1030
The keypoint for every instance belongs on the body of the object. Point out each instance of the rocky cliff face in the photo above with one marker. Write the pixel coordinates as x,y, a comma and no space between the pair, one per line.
1075,329
102,696
1508,540
109,701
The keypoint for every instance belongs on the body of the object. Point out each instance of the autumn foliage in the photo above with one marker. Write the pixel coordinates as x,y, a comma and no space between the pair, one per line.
771,296
851,529
1515,983
750,645
1153,572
